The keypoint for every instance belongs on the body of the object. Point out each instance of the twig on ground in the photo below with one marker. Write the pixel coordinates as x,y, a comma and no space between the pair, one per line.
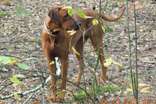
27,92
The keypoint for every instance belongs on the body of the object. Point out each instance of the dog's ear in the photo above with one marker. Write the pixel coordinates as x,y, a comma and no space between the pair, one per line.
54,15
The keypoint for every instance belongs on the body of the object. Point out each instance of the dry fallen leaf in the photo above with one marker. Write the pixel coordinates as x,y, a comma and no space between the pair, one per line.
146,90
141,85
92,69
103,29
33,39
141,30
137,5
118,64
75,51
91,53
129,90
71,32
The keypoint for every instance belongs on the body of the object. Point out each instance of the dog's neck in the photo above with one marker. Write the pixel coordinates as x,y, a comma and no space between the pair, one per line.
49,31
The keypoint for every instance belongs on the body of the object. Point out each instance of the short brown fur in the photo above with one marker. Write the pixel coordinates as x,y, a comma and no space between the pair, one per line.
60,44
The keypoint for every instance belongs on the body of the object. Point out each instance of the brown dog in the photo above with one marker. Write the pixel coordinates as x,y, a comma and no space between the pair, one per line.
56,42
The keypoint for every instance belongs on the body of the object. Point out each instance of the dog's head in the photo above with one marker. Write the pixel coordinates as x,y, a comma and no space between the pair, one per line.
61,19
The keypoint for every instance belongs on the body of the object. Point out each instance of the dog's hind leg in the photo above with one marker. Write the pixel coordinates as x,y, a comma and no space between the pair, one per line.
79,49
94,40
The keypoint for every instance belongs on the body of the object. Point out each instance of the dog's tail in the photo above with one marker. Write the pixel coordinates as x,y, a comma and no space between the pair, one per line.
113,19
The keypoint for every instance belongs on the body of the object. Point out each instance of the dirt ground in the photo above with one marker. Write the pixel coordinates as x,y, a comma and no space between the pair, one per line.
20,34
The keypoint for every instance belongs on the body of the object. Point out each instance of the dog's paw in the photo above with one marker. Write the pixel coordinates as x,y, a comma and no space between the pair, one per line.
52,98
60,96
76,82
104,78
57,97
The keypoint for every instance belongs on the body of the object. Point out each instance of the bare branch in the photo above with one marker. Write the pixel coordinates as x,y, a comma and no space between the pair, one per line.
27,92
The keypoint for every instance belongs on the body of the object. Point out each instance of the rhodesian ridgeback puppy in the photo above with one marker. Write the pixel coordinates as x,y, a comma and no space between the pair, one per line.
56,42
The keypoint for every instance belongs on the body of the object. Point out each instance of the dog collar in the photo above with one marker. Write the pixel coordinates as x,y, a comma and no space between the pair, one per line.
49,31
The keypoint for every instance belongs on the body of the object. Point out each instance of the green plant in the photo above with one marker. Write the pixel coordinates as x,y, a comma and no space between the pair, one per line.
12,61
17,82
121,1
4,14
108,29
134,74
20,11
81,96
119,21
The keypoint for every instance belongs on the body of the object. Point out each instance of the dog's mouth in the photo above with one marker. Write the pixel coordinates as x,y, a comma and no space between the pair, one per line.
76,26
72,31
68,29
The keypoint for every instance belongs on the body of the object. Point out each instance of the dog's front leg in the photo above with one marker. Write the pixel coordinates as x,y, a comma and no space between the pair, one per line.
64,70
52,70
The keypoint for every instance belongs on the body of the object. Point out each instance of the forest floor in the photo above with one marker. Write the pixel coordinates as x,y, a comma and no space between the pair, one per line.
20,37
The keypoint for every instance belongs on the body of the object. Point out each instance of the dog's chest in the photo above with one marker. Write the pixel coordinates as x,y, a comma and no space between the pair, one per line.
61,47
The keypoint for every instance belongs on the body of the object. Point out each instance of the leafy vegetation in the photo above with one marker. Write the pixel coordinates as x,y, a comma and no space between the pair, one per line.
20,11
4,14
108,29
81,96
12,61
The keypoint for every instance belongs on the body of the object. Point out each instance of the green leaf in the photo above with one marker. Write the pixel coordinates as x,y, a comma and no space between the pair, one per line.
81,91
108,89
4,14
108,62
52,62
61,92
81,95
81,14
108,29
73,90
71,11
16,95
15,80
22,66
11,58
39,41
4,59
4,69
119,21
95,22
19,76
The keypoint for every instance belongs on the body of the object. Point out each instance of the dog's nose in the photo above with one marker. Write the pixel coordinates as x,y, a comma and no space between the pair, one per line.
78,23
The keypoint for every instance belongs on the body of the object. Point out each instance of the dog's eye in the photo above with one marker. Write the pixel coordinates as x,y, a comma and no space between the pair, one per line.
66,16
